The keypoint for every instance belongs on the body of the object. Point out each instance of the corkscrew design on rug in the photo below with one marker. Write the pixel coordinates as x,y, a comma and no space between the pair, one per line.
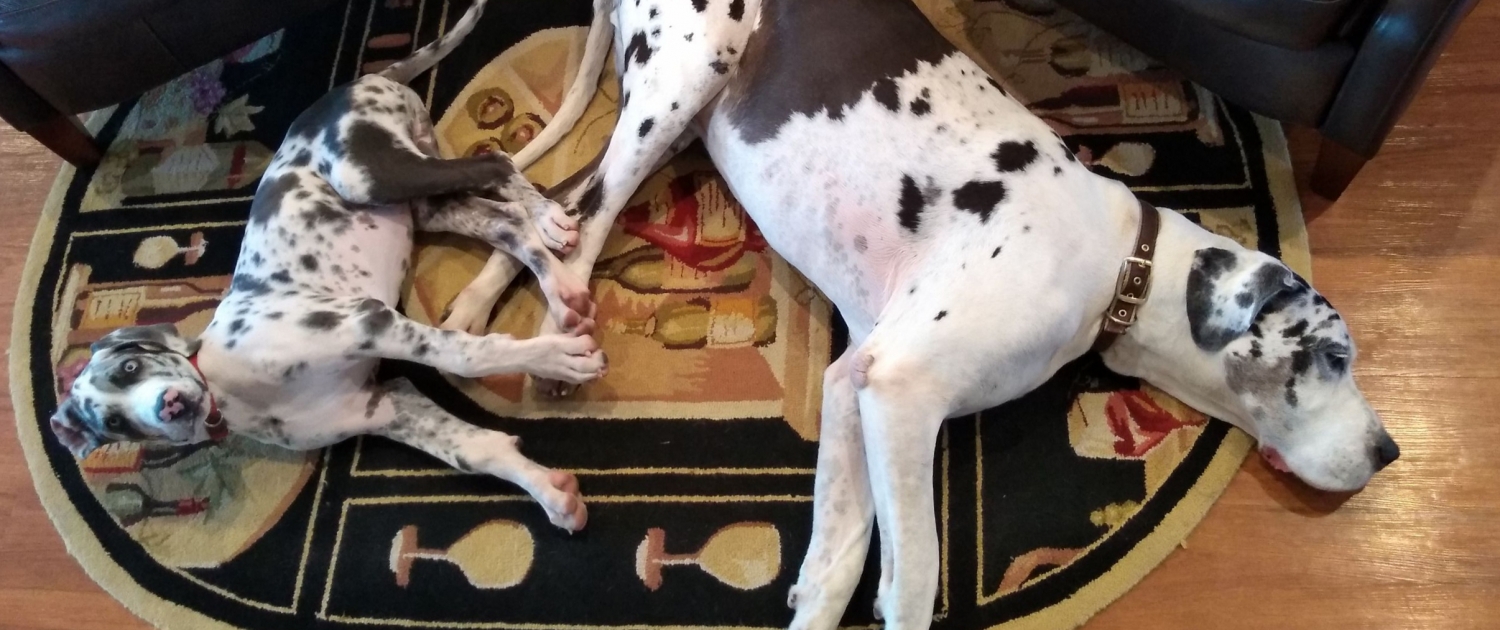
696,452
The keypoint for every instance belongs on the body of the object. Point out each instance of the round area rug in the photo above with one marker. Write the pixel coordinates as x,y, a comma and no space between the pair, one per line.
696,452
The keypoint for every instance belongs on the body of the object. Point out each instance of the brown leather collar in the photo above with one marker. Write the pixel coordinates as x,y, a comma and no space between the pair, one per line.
1134,283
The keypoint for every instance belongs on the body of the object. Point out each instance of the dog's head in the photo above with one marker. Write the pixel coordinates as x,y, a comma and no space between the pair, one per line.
1254,344
139,385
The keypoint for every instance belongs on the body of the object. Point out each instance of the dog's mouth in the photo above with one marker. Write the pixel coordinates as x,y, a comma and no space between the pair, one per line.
1274,459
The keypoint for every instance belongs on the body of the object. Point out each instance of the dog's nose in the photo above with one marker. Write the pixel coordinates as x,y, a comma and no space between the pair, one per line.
1386,451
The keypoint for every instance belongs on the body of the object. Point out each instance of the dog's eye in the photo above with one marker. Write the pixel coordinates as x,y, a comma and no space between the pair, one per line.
114,423
1337,361
131,366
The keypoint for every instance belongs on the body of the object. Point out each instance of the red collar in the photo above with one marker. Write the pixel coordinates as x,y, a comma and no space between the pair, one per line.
217,428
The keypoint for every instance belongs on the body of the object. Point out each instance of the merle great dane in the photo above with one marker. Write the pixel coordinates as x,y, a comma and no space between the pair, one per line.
968,250
290,354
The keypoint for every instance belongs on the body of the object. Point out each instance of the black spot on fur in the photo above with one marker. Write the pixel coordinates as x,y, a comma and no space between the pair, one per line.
920,107
995,253
1208,266
736,9
674,106
885,93
1068,153
652,13
1057,170
994,84
251,285
912,204
638,49
1295,330
375,317
1244,299
1014,156
274,315
308,262
688,37
719,66
322,320
979,198
1255,351
269,196
700,5
593,196
940,315
646,126
282,276
1291,392
861,243
236,326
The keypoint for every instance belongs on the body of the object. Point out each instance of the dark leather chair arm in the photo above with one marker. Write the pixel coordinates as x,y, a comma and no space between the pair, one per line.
21,106
1389,66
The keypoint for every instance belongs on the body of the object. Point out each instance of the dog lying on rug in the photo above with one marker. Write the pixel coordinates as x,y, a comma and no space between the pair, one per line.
969,251
289,356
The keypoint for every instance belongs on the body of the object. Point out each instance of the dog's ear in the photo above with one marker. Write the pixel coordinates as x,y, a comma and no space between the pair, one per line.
1227,290
153,338
71,429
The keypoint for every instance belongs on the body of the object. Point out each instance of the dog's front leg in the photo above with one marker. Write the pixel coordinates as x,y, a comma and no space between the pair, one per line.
367,328
842,509
901,420
416,421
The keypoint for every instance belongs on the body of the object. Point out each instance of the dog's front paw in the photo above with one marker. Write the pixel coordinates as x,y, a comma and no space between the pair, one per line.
572,358
558,230
566,509
569,302
469,312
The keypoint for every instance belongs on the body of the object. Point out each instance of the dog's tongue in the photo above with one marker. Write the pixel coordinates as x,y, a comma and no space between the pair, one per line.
1273,458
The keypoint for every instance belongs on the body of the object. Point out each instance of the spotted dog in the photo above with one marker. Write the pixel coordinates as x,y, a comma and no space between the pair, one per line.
969,251
289,356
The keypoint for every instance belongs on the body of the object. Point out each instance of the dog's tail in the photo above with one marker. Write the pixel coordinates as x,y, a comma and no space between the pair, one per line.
585,84
428,56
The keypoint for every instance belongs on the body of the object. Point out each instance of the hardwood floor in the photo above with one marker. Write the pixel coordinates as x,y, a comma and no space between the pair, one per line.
1410,255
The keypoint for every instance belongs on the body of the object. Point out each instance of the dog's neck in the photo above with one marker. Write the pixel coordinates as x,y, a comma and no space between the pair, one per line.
1159,347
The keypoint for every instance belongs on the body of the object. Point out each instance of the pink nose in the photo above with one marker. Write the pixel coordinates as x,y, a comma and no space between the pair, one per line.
171,406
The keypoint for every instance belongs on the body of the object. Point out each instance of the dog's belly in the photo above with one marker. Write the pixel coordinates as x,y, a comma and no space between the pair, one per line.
860,204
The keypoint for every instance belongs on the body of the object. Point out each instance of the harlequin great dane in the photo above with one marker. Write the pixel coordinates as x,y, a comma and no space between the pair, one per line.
290,353
968,250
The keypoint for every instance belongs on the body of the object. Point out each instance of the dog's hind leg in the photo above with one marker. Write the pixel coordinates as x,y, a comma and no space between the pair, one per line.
416,421
362,140
677,60
507,227
843,509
